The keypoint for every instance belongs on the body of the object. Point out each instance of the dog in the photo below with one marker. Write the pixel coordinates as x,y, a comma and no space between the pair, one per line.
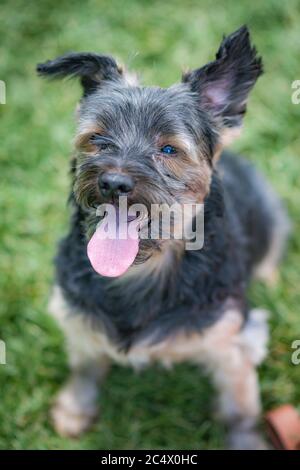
152,299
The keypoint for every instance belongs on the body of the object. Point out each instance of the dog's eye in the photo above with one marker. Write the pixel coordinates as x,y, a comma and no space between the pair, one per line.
168,150
101,141
103,146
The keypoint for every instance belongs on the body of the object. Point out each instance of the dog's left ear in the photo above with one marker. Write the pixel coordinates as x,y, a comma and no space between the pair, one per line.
224,84
91,68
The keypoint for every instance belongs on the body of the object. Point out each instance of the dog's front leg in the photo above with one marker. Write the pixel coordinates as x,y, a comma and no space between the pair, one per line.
238,398
76,406
232,359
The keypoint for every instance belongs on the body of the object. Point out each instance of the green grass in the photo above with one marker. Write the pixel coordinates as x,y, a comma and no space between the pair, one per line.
155,409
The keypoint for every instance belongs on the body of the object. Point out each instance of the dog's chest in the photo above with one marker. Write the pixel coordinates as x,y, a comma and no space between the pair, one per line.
86,342
193,347
175,349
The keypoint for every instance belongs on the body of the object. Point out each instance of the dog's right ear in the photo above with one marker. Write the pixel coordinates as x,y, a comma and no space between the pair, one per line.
91,68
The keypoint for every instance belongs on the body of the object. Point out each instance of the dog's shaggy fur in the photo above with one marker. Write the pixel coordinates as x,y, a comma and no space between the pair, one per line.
172,304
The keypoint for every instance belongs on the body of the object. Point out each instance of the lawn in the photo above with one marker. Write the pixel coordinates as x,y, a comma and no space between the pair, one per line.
155,409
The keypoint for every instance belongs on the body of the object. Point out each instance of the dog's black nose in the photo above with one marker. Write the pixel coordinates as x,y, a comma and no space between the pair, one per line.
115,184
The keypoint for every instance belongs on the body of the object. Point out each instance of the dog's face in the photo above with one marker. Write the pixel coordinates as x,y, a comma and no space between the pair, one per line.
154,145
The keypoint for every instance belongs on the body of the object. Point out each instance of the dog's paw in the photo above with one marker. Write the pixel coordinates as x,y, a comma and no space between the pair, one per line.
71,417
246,440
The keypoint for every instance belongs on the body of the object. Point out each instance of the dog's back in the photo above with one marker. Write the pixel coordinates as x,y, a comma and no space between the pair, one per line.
263,218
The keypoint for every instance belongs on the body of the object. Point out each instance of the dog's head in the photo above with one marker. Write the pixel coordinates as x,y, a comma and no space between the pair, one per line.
154,145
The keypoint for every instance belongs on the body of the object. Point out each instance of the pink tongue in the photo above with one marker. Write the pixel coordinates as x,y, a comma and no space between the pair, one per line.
112,257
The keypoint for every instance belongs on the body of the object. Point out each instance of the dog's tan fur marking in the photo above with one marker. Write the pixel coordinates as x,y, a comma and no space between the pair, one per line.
82,141
189,162
226,137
